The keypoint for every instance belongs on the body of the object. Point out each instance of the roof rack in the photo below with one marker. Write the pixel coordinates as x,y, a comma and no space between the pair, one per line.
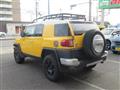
62,16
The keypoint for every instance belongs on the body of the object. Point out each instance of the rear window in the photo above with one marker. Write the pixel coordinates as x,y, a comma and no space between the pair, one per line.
62,30
81,27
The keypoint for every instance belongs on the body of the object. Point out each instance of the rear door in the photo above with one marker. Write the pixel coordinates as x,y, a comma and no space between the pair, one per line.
79,29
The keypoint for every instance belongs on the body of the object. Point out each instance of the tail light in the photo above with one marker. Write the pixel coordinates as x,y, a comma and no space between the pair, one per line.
67,43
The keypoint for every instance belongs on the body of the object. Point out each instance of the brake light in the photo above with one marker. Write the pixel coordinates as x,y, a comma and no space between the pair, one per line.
67,43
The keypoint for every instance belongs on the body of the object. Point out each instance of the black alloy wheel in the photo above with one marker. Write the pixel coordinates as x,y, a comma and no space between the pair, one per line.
50,68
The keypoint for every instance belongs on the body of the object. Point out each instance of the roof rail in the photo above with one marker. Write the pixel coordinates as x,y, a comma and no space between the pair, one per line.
62,16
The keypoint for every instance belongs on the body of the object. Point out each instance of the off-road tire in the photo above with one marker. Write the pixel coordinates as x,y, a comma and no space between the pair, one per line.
19,59
50,68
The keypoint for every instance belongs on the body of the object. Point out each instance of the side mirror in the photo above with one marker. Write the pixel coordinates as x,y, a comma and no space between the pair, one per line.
114,33
22,34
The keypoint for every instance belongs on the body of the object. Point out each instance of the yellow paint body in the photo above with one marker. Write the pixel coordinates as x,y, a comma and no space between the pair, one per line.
34,45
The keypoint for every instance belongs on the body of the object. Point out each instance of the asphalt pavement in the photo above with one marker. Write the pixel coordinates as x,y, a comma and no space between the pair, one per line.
29,76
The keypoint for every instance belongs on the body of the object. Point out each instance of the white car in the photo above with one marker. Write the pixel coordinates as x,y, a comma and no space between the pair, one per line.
108,33
2,34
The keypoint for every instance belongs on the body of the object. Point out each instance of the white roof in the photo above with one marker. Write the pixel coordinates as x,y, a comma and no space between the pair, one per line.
55,22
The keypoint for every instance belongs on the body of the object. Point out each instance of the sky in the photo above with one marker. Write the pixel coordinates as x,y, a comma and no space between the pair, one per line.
63,6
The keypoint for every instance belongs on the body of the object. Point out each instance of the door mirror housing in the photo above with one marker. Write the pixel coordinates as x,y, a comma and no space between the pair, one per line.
114,33
22,34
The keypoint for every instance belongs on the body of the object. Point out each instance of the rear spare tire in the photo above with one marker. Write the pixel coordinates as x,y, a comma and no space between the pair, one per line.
94,44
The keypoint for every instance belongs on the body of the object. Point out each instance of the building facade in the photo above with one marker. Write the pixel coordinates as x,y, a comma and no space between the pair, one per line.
12,27
10,10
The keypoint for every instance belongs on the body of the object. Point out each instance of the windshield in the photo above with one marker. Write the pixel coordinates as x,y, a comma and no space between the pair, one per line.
107,32
81,27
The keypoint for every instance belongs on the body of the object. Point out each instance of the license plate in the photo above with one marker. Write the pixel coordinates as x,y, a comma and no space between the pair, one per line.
117,48
93,63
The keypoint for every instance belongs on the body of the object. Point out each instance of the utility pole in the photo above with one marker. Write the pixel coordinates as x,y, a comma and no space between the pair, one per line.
48,7
102,17
90,9
36,8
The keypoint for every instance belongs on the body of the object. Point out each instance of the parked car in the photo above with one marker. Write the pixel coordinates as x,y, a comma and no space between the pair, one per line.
61,44
108,33
118,25
2,34
101,26
115,38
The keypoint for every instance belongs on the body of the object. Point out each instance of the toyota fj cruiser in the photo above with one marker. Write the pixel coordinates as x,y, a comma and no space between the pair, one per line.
61,44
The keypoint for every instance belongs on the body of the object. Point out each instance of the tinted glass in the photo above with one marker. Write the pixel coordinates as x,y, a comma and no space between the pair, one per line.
107,32
81,27
62,30
39,29
117,32
29,30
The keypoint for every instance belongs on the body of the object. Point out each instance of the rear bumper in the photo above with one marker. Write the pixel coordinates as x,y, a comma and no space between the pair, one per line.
76,58
74,62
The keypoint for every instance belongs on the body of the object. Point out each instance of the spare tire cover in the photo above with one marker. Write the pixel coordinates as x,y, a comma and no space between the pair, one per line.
94,44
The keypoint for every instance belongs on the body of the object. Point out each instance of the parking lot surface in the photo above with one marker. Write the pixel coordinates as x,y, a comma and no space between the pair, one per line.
29,76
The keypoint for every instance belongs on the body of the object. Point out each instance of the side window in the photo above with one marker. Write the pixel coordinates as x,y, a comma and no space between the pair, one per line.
62,30
29,30
39,30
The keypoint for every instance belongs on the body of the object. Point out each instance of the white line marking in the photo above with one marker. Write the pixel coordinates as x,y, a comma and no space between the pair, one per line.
87,83
113,61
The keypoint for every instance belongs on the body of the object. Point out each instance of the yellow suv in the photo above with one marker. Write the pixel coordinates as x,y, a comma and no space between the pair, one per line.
61,44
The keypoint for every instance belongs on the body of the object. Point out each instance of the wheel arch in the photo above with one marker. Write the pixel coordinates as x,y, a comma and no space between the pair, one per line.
108,40
48,51
17,46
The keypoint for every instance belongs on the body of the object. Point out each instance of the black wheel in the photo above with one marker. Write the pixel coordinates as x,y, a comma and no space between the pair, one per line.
115,52
18,57
108,45
90,67
94,44
50,68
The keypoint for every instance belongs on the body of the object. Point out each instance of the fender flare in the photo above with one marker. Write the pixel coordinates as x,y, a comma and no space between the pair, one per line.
47,51
17,46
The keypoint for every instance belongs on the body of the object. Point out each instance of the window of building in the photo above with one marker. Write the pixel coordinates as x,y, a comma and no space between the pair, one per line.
5,15
6,3
17,29
5,9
